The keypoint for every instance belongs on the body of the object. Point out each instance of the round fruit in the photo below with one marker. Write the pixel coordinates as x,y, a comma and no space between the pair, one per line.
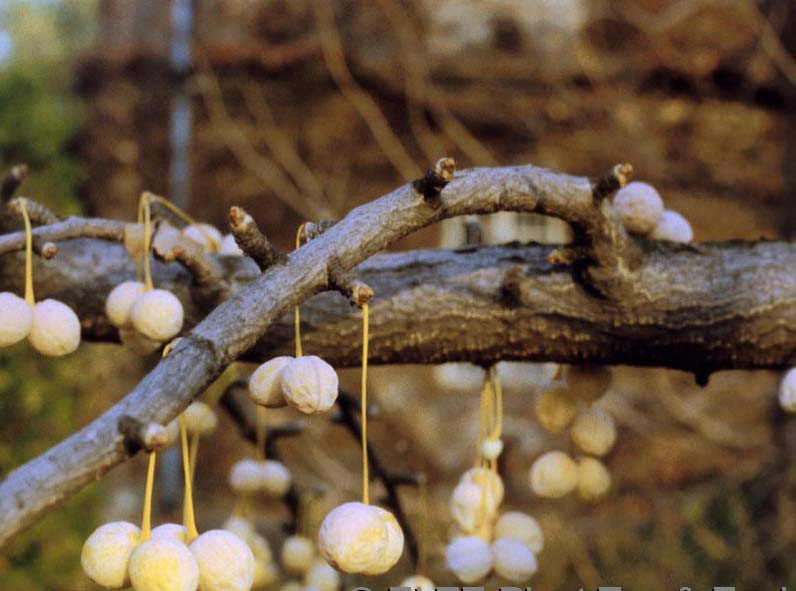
55,330
514,560
157,314
106,554
120,302
469,558
226,563
594,480
163,565
594,431
522,527
553,475
265,384
309,384
298,554
16,319
639,207
673,227
352,537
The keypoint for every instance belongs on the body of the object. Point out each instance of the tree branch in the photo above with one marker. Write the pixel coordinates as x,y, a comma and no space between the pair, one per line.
673,284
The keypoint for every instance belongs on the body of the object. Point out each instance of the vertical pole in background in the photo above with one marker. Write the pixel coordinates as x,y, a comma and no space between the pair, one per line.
181,116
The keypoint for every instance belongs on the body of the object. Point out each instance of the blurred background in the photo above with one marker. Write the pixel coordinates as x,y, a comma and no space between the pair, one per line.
302,109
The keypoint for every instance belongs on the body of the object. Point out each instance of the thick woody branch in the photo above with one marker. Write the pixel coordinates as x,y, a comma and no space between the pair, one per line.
39,214
356,290
251,240
73,227
312,230
560,317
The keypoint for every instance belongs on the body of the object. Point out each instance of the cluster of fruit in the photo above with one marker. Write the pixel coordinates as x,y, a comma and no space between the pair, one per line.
640,208
593,431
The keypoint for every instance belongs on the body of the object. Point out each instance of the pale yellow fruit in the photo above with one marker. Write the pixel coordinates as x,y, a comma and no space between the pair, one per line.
163,565
469,559
158,315
352,537
418,582
229,246
292,586
553,475
243,528
170,530
226,563
594,431
554,409
265,384
266,574
588,382
205,235
594,480
323,577
472,505
259,545
491,448
16,319
298,554
309,384
55,330
200,419
787,392
106,554
639,206
522,527
276,478
513,560
481,476
394,548
246,476
120,302
136,342
673,227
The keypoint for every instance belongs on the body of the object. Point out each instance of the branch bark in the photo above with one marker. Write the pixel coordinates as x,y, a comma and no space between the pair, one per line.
727,305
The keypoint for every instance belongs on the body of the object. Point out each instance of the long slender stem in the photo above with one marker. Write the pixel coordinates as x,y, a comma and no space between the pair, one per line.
147,242
187,509
146,520
29,296
364,408
297,313
261,427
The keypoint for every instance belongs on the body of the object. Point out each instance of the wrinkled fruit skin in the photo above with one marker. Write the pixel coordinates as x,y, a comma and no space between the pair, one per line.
172,531
163,565
106,554
352,537
395,544
157,314
16,319
55,330
226,563
309,384
120,302
265,384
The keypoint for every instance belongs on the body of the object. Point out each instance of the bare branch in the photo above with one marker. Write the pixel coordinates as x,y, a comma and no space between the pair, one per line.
138,435
431,184
72,227
251,240
357,291
12,181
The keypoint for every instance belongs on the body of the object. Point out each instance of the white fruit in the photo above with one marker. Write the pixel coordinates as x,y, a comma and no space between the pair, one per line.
481,476
163,565
394,548
16,319
309,384
246,476
787,392
418,582
55,330
276,478
594,480
157,314
169,530
588,383
265,384
522,527
554,409
106,553
491,448
136,342
639,207
266,574
673,227
229,246
352,537
120,302
298,554
241,527
553,475
200,419
226,563
594,431
469,558
205,235
472,505
514,561
323,577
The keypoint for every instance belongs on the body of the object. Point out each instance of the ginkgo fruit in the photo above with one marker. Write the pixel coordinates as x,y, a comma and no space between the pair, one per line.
55,330
157,314
120,300
553,475
226,563
513,560
309,384
469,559
163,564
265,384
106,554
16,319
